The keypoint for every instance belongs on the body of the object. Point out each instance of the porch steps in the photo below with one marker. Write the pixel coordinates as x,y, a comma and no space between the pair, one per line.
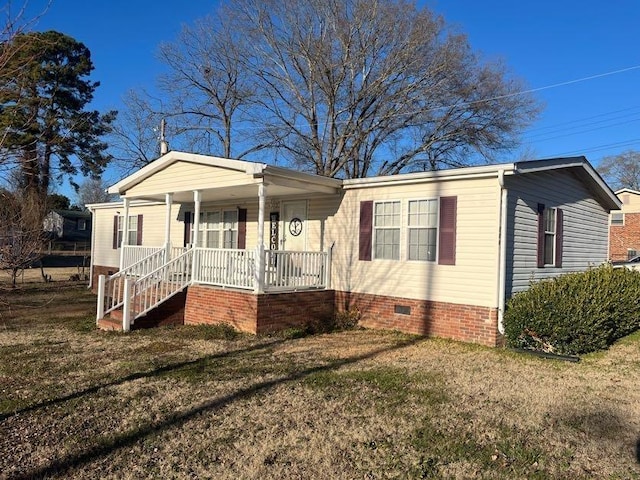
168,312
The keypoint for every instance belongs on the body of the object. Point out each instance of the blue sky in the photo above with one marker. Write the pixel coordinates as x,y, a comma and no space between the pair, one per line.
544,42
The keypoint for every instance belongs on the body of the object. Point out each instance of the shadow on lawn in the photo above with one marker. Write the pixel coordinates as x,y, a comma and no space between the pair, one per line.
138,375
106,446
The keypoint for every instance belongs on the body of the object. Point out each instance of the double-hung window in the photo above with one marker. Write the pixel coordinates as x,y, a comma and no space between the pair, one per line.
422,230
386,230
549,220
210,229
218,229
133,227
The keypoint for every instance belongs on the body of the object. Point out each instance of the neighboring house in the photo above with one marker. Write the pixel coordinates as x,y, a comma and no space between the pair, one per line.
263,247
624,227
68,226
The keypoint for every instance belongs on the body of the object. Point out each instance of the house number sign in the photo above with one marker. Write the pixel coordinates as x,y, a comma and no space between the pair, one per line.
295,227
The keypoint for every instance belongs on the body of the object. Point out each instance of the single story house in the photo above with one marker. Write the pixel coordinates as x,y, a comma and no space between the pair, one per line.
68,226
624,227
201,239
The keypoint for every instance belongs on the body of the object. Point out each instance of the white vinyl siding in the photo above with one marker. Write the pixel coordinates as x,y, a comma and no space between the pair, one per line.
472,280
386,230
186,176
422,229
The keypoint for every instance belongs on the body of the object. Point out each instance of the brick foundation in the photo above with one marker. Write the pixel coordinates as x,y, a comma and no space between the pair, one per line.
100,270
257,314
467,323
251,313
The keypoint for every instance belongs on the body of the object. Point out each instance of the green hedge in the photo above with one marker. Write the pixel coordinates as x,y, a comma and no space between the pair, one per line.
575,313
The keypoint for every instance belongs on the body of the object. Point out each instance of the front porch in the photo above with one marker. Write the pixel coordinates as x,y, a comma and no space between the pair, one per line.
153,275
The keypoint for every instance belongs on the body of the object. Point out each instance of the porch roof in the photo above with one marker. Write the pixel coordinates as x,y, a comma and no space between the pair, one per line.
244,178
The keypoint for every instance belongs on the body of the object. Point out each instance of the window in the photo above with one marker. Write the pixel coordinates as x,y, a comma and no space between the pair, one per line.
230,229
550,228
429,232
631,253
82,224
617,218
218,229
386,230
422,229
209,229
549,219
134,235
132,231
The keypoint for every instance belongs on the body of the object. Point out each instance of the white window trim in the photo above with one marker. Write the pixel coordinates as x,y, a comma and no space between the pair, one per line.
203,226
400,227
617,224
549,232
407,228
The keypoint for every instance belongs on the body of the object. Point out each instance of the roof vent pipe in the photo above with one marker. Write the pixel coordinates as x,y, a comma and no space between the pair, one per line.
164,146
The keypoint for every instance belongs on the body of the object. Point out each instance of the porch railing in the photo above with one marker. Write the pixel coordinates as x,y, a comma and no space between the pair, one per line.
295,270
152,279
159,285
224,267
133,254
113,297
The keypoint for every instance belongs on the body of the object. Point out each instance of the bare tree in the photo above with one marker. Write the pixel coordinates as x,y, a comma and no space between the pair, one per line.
363,87
622,170
21,231
347,88
210,86
134,138
93,190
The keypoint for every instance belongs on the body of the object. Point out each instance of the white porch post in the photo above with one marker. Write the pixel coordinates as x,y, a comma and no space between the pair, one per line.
260,260
168,200
197,198
195,260
125,231
101,290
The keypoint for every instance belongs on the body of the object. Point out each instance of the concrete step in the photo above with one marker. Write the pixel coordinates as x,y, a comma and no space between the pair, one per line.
110,324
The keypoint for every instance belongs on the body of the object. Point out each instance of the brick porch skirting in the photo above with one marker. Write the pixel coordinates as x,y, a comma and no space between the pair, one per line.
467,323
257,313
101,270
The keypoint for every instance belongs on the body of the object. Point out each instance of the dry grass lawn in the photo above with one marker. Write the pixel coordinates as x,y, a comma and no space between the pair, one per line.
201,402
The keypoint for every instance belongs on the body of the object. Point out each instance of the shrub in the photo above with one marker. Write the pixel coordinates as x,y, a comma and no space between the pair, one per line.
575,313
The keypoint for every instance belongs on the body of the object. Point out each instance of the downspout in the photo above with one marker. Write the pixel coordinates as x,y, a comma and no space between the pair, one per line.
93,243
502,254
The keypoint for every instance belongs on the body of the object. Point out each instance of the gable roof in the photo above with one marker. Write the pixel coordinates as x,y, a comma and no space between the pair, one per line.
627,190
579,165
251,169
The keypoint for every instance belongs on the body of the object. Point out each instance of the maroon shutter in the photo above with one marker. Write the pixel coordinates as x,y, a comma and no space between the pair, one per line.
366,229
242,228
115,232
447,232
139,231
559,222
540,235
187,228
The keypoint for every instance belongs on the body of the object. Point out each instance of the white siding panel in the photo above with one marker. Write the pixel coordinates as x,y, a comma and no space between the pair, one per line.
472,280
185,176
585,226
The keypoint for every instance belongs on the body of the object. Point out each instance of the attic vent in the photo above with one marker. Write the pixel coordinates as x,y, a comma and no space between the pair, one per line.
402,309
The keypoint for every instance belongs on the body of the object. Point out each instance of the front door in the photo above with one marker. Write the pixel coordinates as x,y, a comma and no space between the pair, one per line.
294,223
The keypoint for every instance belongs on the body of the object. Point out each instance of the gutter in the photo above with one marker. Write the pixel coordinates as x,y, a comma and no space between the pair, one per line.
502,254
